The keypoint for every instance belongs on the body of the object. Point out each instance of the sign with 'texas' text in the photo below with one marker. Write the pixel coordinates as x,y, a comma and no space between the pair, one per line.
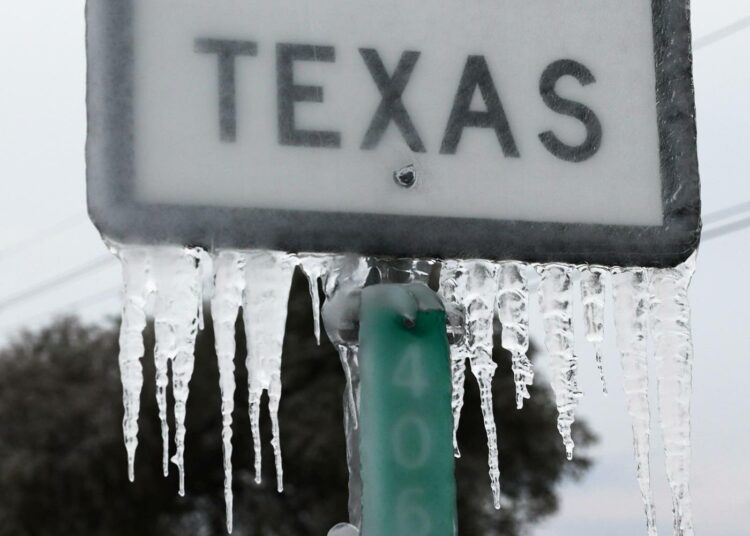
549,130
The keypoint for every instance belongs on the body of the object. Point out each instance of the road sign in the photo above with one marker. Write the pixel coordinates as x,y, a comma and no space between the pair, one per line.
406,422
554,130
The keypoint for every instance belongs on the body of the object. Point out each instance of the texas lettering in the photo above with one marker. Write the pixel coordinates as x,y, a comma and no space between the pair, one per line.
391,84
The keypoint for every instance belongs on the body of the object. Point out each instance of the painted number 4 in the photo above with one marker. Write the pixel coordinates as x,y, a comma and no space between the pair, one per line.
410,373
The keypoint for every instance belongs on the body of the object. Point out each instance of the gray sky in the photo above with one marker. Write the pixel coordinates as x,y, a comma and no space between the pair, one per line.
45,234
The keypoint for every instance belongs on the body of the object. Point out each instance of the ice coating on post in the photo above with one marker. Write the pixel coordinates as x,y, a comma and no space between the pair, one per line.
592,300
347,273
136,289
456,331
556,303
673,349
349,356
225,306
315,266
344,276
473,286
344,529
631,298
268,276
512,310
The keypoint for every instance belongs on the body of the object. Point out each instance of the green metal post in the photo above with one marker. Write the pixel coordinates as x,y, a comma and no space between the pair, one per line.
406,424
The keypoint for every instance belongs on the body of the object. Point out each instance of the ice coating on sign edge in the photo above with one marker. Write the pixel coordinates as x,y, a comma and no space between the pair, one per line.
268,276
592,301
225,306
472,285
136,289
673,350
512,310
631,295
556,304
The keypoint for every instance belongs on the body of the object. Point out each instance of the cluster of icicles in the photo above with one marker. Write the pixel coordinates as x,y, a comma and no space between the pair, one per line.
651,312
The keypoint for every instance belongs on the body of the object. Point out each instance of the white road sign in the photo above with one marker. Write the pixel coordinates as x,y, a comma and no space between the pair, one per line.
545,130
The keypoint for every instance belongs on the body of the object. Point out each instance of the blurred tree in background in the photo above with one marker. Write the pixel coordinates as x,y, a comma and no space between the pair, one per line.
63,468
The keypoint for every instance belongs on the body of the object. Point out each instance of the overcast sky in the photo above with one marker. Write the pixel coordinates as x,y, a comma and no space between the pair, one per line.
45,234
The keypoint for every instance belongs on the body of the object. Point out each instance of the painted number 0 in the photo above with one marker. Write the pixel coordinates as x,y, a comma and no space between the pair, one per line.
411,517
411,442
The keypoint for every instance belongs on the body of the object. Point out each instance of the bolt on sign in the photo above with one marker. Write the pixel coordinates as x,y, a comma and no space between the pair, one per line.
553,130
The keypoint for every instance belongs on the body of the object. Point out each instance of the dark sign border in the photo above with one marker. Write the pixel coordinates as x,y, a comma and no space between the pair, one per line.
114,211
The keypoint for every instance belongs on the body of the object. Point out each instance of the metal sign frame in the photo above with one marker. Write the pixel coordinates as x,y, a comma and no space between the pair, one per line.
116,213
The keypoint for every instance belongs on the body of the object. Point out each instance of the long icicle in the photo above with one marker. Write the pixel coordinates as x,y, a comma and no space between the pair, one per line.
225,306
188,302
556,303
512,310
165,348
673,349
476,291
268,281
593,302
136,289
631,295
449,274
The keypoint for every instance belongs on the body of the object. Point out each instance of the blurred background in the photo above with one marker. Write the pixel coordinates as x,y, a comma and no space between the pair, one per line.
62,463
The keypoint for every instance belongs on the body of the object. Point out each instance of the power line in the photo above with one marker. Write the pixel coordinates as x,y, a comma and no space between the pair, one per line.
76,305
35,239
721,34
51,284
726,213
726,229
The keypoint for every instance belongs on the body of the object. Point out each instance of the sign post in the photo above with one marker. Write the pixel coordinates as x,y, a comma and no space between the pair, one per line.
406,423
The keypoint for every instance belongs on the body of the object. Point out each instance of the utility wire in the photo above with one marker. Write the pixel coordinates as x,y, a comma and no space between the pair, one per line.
726,229
728,212
51,284
36,239
77,305
721,34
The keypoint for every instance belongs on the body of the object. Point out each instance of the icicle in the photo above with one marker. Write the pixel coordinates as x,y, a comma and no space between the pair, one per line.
459,356
673,349
315,266
592,300
631,317
512,309
457,337
555,298
268,281
472,286
178,301
165,348
136,289
225,306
